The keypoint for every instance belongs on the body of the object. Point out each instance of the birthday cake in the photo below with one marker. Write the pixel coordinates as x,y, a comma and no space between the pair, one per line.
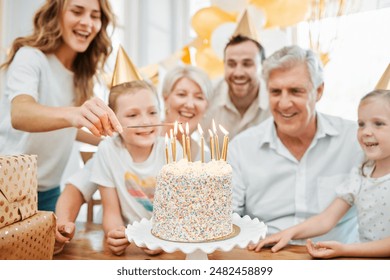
193,201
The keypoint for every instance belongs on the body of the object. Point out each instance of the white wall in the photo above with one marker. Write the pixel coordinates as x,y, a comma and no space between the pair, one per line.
17,18
15,22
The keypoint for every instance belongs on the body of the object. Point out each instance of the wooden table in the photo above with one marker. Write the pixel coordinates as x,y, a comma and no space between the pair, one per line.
89,244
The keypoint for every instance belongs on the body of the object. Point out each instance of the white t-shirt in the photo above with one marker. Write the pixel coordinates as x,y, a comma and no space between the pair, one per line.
371,196
114,167
51,84
81,180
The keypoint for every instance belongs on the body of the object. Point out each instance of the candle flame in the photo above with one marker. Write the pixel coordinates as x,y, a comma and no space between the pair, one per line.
214,127
175,128
181,129
187,129
200,130
211,133
224,131
171,133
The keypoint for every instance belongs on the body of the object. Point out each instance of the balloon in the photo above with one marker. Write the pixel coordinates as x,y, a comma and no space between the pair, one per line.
186,56
289,13
263,3
273,39
324,56
209,62
207,19
283,13
230,5
221,36
258,16
198,43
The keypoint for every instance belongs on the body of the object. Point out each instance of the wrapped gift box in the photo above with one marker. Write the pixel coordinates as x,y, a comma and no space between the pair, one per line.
18,188
30,239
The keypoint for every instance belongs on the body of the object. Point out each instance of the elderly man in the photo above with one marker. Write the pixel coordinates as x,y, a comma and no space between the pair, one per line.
237,102
286,169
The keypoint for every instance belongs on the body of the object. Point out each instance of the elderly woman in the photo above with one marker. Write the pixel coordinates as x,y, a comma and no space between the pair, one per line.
185,92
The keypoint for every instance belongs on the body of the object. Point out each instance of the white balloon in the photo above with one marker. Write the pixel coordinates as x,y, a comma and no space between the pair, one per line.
273,39
230,5
257,15
220,37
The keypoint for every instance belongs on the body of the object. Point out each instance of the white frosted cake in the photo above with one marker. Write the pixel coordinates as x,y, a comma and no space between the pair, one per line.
193,201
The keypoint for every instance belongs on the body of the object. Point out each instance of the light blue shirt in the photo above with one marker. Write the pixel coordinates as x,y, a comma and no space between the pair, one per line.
271,184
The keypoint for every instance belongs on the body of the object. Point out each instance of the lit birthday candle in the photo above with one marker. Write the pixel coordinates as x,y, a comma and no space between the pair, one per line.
217,154
173,145
188,142
183,141
166,148
201,143
225,142
175,138
212,144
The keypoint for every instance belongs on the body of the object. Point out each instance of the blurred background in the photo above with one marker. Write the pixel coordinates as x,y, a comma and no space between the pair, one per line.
351,36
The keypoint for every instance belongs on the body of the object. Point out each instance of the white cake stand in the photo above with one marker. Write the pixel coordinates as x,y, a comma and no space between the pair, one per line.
250,232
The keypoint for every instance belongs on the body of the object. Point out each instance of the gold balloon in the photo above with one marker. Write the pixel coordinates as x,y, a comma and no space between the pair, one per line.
283,13
207,19
199,43
324,56
207,59
260,3
186,56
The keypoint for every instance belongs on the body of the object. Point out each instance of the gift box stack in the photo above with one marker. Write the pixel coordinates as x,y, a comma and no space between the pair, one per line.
25,232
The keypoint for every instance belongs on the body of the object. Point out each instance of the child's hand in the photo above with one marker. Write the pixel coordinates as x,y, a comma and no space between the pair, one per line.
324,250
64,233
117,240
151,252
280,240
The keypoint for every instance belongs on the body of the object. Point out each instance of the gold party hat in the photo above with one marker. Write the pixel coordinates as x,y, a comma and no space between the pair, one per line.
246,27
124,70
384,82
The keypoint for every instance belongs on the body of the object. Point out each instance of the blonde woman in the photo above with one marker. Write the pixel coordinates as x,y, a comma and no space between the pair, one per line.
48,95
186,90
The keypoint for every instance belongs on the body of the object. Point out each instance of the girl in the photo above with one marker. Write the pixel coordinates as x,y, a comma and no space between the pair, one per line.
367,188
48,90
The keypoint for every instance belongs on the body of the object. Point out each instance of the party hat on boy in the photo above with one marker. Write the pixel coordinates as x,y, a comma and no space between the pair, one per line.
124,70
246,27
384,81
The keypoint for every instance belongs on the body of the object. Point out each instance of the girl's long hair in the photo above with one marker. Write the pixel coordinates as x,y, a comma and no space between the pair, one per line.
47,37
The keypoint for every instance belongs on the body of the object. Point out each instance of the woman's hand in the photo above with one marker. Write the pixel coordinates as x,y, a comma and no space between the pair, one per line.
95,115
117,240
